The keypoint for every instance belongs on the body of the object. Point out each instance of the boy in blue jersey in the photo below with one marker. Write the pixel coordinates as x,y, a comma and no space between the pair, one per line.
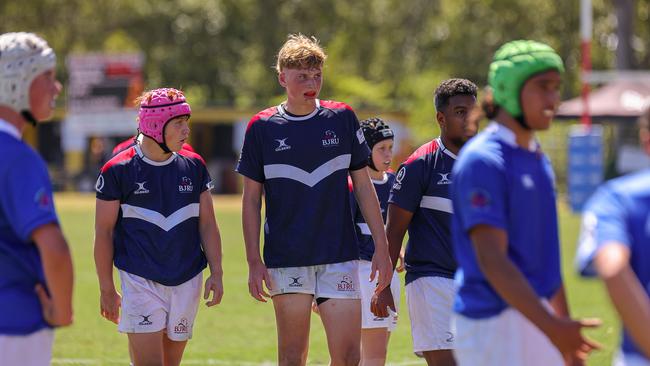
375,330
155,222
615,244
510,306
35,264
419,202
299,154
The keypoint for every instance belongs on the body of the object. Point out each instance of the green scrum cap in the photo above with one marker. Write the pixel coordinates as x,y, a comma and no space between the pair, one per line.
513,64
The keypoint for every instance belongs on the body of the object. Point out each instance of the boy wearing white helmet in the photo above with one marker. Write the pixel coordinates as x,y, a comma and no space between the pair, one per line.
510,305
35,264
155,222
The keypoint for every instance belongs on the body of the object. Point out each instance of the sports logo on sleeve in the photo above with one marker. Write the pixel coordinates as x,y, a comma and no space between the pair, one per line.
360,136
479,199
398,179
99,185
43,200
210,185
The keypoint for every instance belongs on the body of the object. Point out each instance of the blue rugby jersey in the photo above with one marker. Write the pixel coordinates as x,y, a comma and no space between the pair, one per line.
619,211
156,235
364,237
422,187
303,163
25,204
499,184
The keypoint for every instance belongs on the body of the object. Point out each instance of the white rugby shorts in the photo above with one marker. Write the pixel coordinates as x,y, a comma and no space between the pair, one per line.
148,306
335,281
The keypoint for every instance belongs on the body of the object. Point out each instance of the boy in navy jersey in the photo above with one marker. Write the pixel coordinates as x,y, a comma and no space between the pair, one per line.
419,202
510,305
375,330
155,222
615,244
299,154
35,263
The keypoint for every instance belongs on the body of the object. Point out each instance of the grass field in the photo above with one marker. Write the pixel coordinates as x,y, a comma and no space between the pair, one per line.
241,331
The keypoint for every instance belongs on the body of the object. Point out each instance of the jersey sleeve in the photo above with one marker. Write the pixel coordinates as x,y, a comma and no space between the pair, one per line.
107,187
604,220
250,162
409,186
479,192
27,198
207,184
360,150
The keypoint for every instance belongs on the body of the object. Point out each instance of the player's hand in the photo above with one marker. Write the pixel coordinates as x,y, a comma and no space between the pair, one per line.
214,284
567,338
109,303
51,314
400,263
381,262
258,276
314,307
380,303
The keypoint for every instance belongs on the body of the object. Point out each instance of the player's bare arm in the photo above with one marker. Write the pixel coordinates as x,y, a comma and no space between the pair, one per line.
211,242
490,245
57,265
251,206
366,196
396,225
625,291
106,213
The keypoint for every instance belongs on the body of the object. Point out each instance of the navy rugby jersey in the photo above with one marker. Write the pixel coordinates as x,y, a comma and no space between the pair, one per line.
156,235
366,244
303,163
25,205
422,187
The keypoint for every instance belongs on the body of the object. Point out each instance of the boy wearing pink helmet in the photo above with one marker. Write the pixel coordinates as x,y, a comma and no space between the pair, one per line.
155,222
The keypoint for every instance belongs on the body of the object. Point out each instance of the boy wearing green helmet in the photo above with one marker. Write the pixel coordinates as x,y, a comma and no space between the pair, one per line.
511,307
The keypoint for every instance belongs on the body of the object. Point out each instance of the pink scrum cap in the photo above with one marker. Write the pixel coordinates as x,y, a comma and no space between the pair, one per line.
159,107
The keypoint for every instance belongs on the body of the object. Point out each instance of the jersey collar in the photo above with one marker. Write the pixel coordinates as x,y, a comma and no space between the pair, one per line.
138,150
289,117
380,181
10,129
444,149
506,135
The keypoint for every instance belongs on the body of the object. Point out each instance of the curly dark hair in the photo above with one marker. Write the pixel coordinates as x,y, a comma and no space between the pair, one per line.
450,88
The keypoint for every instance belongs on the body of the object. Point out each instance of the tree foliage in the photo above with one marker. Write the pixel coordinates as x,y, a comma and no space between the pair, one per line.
383,54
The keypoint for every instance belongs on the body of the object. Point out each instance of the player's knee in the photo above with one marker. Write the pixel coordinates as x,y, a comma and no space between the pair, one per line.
293,357
351,356
372,361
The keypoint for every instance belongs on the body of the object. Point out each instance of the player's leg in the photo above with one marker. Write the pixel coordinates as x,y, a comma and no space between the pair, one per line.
292,316
147,348
173,351
430,302
342,322
292,291
374,342
183,304
341,312
374,330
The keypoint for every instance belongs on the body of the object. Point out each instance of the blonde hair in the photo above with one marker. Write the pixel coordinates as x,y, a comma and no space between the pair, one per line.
300,52
145,98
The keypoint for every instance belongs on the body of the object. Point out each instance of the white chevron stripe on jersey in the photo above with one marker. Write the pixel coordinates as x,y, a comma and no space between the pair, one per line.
365,230
437,203
310,179
165,223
